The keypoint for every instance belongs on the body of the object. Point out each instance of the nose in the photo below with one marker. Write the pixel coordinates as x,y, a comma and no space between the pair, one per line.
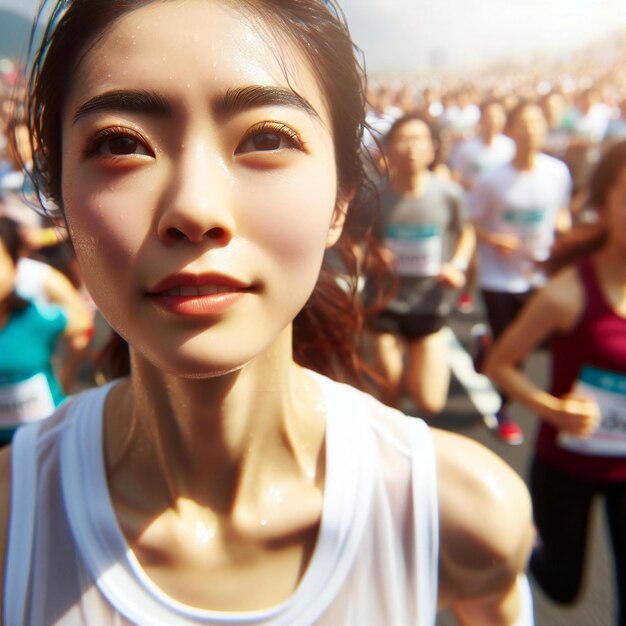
196,205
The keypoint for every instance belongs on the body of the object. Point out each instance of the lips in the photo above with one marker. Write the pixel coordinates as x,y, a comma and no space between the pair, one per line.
190,291
199,296
195,285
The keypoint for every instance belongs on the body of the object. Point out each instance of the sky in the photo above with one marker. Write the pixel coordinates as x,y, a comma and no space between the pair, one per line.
422,35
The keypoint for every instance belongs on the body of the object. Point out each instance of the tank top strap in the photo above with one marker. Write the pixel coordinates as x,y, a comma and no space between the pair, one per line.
22,513
426,519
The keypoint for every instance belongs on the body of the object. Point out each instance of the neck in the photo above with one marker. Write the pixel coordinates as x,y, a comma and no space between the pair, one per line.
215,440
525,160
488,137
410,183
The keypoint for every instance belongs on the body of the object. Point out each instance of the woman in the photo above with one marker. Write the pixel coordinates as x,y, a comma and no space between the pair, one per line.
581,446
425,230
219,480
29,388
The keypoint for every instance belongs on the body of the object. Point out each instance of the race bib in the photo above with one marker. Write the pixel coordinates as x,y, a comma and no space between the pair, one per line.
609,391
26,401
417,248
528,225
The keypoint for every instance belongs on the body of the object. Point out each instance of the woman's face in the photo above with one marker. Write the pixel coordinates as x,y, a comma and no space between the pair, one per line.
199,189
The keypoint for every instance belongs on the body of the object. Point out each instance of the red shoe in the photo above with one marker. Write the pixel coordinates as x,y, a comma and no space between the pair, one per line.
464,303
508,430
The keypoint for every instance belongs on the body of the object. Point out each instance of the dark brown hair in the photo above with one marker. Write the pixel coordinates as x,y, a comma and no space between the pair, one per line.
12,241
327,332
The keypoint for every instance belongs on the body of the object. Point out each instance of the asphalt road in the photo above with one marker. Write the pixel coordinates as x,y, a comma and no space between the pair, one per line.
595,605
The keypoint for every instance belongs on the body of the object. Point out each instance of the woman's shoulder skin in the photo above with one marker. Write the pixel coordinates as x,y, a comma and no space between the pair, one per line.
486,531
5,482
559,303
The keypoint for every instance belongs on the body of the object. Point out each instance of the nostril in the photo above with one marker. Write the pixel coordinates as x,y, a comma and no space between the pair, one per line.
216,233
174,233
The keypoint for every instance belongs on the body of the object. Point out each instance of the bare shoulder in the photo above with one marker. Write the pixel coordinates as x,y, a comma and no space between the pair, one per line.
561,300
485,520
5,483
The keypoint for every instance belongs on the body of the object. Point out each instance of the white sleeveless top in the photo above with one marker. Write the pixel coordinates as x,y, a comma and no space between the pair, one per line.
375,561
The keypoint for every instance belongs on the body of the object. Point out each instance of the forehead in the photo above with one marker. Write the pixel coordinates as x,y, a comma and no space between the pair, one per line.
531,112
413,128
207,43
495,108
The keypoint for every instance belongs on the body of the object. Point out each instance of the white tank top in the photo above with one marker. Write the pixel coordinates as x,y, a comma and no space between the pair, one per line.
375,560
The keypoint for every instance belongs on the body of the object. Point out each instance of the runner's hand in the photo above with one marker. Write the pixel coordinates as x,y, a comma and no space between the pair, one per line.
451,276
579,415
505,243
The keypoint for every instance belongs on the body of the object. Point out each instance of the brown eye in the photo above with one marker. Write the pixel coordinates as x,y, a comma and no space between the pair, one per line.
122,145
117,142
270,137
267,141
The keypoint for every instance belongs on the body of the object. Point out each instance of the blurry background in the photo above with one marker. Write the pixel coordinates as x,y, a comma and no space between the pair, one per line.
435,35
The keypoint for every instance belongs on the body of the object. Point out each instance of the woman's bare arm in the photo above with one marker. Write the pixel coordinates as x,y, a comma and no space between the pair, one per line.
486,532
556,308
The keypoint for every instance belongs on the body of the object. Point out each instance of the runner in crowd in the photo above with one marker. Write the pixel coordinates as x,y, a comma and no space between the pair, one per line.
219,479
580,452
517,209
29,330
475,156
488,149
424,227
558,136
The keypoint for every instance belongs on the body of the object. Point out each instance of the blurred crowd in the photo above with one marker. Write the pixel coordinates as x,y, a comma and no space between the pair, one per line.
583,98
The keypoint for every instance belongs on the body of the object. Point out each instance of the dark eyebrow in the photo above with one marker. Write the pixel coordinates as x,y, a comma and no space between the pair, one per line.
242,99
126,101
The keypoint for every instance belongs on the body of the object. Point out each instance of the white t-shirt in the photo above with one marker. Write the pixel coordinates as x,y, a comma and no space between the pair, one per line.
375,560
475,158
525,204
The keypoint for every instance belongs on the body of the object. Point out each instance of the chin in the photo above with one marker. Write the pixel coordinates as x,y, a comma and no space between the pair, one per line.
196,367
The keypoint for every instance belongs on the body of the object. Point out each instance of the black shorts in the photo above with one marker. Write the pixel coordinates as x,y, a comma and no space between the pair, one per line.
410,326
502,308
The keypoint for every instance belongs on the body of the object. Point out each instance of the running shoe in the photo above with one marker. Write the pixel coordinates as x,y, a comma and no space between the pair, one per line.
508,430
464,303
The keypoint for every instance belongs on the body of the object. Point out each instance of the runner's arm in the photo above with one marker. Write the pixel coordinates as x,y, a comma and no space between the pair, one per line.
486,534
555,308
465,245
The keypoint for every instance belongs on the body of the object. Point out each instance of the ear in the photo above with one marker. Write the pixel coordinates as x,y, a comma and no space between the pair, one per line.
339,218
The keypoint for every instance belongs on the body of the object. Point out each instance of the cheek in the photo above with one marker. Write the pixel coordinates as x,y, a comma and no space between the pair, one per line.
104,228
292,216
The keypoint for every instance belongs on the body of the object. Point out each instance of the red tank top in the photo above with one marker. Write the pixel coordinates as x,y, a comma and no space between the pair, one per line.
598,340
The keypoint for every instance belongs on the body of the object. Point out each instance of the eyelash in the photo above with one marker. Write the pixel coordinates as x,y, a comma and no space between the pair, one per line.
278,128
95,143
